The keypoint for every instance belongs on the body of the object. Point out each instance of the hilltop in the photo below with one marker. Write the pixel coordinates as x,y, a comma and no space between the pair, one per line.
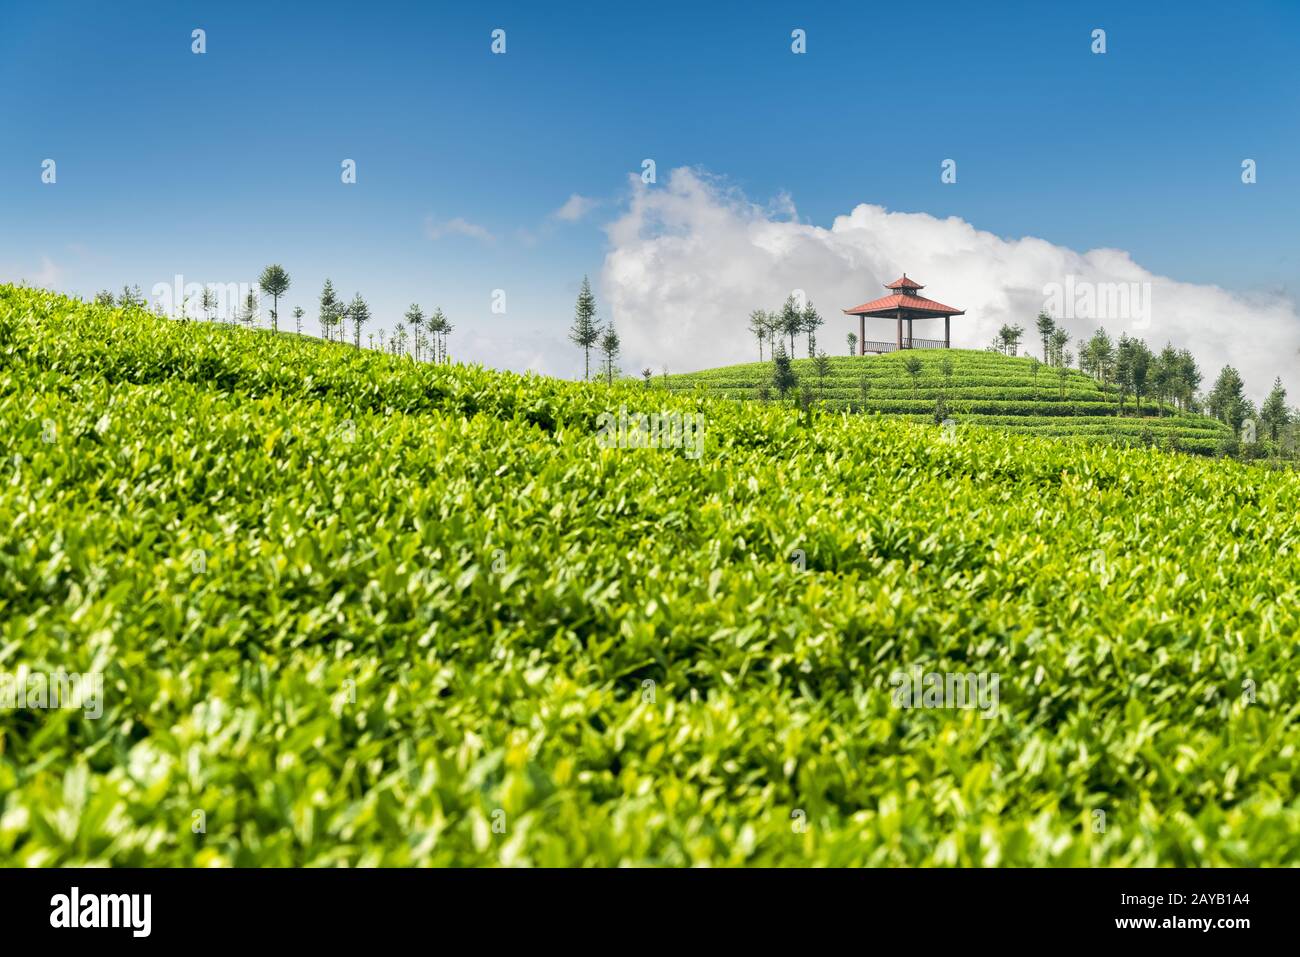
351,609
1010,393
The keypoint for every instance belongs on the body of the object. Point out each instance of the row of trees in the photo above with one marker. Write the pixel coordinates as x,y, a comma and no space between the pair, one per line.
784,380
422,337
789,321
130,296
1273,420
334,315
435,324
587,333
1129,366
1055,340
1171,377
427,336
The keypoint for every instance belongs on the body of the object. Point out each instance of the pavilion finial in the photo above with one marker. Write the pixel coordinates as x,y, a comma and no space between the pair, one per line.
903,282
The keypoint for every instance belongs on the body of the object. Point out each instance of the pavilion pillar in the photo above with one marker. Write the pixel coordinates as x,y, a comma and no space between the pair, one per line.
910,341
947,340
862,334
900,329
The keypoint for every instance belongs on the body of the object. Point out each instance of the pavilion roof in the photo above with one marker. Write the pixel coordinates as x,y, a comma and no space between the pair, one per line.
889,306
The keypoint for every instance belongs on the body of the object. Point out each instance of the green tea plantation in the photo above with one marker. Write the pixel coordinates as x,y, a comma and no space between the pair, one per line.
348,609
975,388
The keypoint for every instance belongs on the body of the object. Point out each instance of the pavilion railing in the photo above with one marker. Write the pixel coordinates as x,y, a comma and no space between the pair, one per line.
875,345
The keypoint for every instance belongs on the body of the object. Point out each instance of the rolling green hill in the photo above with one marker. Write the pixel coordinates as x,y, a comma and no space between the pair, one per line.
349,609
985,388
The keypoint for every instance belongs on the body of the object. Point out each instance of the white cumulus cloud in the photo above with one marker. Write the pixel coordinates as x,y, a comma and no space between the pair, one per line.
436,229
575,208
691,258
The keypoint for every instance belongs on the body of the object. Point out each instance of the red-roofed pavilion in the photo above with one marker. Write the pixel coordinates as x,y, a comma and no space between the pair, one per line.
903,303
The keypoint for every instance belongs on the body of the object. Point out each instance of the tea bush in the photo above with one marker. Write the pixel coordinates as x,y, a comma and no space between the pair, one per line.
349,609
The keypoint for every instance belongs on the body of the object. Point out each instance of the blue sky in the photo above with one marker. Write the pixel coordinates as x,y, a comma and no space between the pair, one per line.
212,166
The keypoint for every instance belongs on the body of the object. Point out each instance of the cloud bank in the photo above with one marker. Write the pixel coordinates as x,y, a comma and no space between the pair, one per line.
689,260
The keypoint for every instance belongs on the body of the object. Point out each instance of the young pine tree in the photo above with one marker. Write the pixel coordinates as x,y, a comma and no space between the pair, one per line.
329,309
1123,370
912,365
758,329
609,346
809,320
1014,336
275,283
1101,356
447,329
1046,326
783,378
249,315
585,332
1139,371
1056,344
822,366
1274,414
791,319
1164,376
415,316
208,302
438,327
341,320
359,313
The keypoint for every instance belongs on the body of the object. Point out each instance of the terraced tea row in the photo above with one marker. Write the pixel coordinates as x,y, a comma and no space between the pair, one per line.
971,388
